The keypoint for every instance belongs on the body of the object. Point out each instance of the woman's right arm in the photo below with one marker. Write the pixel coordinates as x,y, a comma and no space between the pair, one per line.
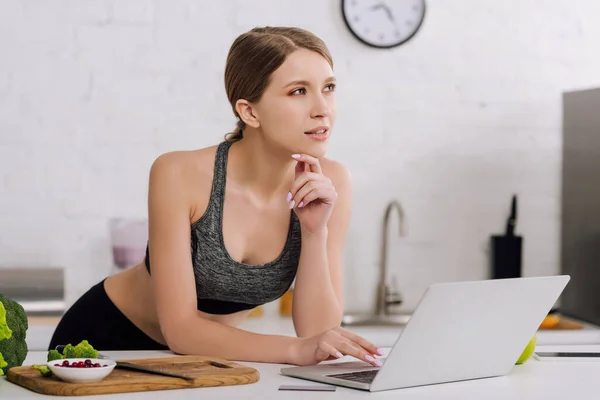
173,284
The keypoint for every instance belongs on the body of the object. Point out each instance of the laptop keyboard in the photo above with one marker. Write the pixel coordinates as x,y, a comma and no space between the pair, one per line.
361,376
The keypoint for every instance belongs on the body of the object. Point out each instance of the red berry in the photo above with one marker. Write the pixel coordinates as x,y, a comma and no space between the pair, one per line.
105,365
97,365
65,363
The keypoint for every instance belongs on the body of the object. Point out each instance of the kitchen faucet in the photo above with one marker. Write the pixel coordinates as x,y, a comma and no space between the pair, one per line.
388,295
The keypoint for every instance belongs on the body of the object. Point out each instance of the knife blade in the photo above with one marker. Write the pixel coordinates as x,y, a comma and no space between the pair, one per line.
135,367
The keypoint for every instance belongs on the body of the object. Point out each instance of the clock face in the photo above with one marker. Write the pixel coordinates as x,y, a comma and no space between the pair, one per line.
383,24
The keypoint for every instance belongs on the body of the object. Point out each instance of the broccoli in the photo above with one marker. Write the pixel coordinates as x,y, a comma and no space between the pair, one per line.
13,347
82,350
43,369
5,332
2,363
54,355
69,351
85,350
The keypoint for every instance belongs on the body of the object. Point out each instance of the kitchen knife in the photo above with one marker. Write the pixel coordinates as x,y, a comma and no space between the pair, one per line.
136,367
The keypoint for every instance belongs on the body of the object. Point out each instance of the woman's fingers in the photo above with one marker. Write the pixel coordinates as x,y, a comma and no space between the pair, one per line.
326,349
312,162
356,351
334,343
308,187
362,342
325,194
306,183
329,350
309,181
303,179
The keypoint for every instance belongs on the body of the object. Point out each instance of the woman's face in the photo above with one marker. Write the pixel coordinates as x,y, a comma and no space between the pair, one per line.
299,101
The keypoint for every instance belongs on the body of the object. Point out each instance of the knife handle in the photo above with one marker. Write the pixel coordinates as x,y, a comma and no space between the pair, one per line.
512,219
218,364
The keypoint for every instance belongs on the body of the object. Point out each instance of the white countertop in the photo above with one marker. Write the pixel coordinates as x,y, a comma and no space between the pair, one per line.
532,380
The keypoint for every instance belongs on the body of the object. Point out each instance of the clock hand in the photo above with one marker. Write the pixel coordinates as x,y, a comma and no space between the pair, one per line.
389,12
385,8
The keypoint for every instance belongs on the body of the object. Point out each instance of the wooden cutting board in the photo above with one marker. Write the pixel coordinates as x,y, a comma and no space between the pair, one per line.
126,381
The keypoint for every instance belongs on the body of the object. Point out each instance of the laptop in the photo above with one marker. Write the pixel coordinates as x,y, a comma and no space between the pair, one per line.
459,331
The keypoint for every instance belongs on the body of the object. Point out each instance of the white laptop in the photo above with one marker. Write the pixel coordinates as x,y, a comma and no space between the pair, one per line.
459,331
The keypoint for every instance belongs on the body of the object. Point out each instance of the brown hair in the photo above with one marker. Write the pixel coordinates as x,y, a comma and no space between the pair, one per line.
255,55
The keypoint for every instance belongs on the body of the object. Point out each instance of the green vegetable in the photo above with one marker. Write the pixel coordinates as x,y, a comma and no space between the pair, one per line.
13,328
82,350
43,369
69,351
54,355
85,350
5,332
2,363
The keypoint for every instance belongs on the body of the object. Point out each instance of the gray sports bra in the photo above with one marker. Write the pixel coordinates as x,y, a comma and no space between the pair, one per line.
223,285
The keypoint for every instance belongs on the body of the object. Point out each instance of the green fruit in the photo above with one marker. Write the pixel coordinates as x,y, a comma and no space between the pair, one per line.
528,351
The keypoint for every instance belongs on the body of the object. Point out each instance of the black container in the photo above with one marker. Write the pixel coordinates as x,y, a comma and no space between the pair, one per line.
507,249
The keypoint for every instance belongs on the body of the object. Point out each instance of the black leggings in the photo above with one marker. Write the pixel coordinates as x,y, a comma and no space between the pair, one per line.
95,318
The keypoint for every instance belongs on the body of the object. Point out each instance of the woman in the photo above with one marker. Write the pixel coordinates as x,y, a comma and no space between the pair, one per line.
232,225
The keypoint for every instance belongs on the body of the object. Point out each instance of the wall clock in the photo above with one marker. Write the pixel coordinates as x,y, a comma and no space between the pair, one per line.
383,24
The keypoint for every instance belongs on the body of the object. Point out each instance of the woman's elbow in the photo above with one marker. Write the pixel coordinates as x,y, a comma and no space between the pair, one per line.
174,341
173,333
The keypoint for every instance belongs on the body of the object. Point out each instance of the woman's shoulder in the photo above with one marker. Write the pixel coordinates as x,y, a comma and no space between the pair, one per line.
185,166
336,171
185,159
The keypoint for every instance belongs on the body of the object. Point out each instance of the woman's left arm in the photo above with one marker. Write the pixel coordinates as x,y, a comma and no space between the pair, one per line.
323,203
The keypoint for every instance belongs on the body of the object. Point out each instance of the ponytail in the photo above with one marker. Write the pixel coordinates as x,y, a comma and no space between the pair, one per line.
238,132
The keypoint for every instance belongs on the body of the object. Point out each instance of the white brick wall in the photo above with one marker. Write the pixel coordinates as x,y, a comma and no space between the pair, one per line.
450,124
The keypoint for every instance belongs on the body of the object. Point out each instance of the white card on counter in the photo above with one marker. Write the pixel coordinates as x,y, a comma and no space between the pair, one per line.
309,388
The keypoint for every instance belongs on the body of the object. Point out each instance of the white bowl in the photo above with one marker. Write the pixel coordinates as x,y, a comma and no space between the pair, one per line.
81,375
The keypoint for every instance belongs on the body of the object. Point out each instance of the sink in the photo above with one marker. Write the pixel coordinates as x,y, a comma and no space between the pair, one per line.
375,320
